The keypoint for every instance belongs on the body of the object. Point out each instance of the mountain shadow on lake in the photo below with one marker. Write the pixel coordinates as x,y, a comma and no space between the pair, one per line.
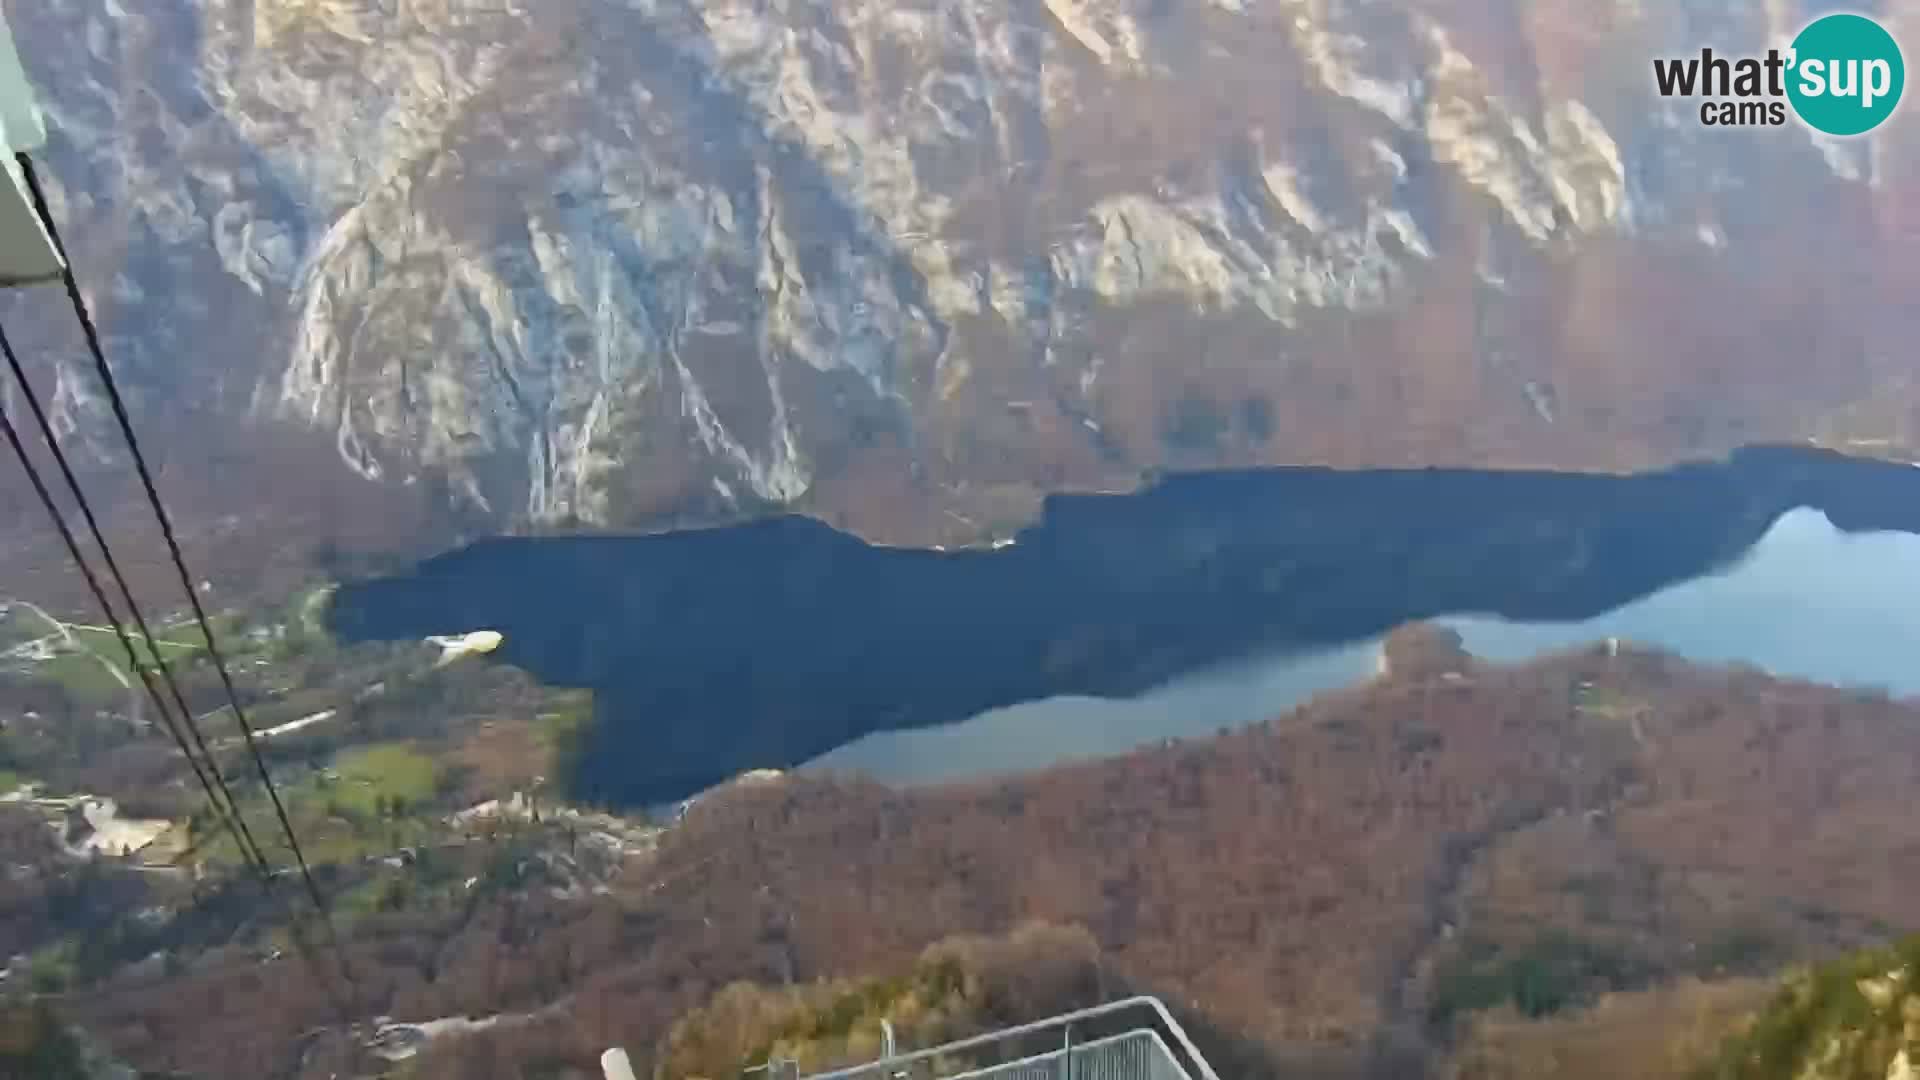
767,644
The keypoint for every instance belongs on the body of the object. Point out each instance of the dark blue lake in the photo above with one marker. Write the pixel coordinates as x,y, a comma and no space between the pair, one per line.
1205,601
1808,600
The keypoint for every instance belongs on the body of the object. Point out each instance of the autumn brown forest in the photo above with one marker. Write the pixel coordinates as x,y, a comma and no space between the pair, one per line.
1363,886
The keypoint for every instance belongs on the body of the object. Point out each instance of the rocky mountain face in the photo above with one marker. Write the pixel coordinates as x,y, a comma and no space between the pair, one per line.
908,264
1856,1018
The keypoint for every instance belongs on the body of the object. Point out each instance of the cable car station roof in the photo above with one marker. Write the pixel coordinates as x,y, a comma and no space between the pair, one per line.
27,254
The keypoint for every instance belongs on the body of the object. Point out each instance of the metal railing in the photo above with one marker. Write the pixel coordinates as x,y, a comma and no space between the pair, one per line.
1132,1055
1133,1039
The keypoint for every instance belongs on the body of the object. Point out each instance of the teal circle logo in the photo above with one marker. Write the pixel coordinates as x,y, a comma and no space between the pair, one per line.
1846,74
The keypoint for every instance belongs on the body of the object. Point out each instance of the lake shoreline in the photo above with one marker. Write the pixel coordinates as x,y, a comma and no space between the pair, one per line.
770,643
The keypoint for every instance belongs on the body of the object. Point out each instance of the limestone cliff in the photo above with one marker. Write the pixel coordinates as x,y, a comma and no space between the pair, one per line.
907,264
